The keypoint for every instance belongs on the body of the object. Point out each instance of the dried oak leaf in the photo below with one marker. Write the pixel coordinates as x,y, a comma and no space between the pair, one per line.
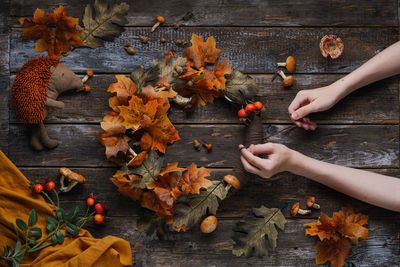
56,32
149,222
190,209
123,181
167,69
148,170
122,92
202,52
114,138
240,87
142,77
107,25
335,251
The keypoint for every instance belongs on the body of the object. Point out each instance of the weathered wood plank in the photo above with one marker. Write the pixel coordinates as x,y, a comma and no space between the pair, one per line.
285,191
356,108
237,13
356,146
251,50
4,76
293,248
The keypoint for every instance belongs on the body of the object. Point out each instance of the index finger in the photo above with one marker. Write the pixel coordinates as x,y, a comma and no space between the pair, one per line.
252,159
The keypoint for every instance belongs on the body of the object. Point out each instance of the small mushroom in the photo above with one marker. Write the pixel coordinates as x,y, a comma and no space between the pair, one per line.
89,73
296,209
143,39
72,177
287,80
163,40
311,203
175,25
209,224
232,181
196,144
290,64
160,20
130,50
331,45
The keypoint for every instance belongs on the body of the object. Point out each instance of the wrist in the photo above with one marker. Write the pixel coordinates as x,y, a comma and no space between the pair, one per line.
296,162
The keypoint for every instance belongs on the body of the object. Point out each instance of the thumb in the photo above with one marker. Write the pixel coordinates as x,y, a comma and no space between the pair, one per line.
303,111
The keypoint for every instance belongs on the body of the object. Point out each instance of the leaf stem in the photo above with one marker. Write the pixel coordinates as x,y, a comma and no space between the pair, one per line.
49,199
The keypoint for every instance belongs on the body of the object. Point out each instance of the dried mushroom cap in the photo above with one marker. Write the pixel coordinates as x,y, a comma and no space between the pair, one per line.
160,19
295,208
288,81
310,201
89,73
290,64
331,45
209,224
73,178
232,180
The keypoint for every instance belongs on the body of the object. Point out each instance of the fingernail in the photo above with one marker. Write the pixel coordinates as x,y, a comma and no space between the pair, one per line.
295,116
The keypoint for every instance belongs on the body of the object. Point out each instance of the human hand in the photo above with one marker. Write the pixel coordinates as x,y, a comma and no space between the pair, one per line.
310,101
279,159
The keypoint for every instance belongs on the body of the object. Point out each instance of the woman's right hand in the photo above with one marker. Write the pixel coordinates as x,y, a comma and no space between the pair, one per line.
310,101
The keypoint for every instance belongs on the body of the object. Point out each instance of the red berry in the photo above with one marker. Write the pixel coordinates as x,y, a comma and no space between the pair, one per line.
98,219
38,188
99,208
250,108
50,186
242,113
258,105
90,201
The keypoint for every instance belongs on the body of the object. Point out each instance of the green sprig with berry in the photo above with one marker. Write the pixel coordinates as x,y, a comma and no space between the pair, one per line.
32,240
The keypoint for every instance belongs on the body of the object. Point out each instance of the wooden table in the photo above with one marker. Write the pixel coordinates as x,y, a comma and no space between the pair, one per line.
361,131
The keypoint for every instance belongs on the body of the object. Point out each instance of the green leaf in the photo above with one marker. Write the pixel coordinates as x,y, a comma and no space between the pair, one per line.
249,235
149,222
240,87
36,232
72,229
32,218
7,251
141,77
32,240
147,170
17,247
15,263
107,24
190,209
73,214
21,255
51,223
60,214
54,239
21,224
16,230
60,237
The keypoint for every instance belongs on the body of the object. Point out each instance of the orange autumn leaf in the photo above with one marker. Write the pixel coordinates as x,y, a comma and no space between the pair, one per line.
335,251
56,32
202,52
193,179
138,160
114,138
168,179
336,235
123,182
122,91
162,94
151,201
138,115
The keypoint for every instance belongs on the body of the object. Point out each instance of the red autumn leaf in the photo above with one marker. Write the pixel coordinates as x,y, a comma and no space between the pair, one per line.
114,138
202,52
56,32
123,182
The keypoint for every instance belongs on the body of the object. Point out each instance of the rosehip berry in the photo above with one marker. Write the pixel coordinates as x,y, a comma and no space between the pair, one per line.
98,219
90,201
250,108
99,208
258,105
242,113
38,188
50,186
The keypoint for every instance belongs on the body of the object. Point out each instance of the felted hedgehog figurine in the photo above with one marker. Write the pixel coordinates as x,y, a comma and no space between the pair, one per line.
37,86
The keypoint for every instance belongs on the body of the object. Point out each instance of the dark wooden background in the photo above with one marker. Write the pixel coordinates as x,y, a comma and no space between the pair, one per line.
361,131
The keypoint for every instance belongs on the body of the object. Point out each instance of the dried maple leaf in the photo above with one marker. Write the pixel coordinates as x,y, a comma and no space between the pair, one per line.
124,183
336,235
202,52
151,201
56,32
122,91
249,235
114,138
138,159
193,179
107,24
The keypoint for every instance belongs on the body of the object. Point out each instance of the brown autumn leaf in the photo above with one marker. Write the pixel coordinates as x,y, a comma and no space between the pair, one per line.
122,92
202,52
336,235
193,179
137,160
56,32
151,201
114,138
123,181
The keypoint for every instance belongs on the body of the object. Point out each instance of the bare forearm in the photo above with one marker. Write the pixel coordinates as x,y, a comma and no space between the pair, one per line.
376,189
381,66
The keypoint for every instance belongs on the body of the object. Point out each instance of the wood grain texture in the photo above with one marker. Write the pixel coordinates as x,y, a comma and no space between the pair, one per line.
355,146
355,108
236,12
251,50
4,76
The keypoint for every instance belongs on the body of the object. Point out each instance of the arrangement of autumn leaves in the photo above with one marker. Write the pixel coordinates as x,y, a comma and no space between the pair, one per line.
138,130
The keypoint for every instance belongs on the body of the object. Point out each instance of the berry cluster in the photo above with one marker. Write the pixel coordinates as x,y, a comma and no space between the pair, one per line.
244,112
